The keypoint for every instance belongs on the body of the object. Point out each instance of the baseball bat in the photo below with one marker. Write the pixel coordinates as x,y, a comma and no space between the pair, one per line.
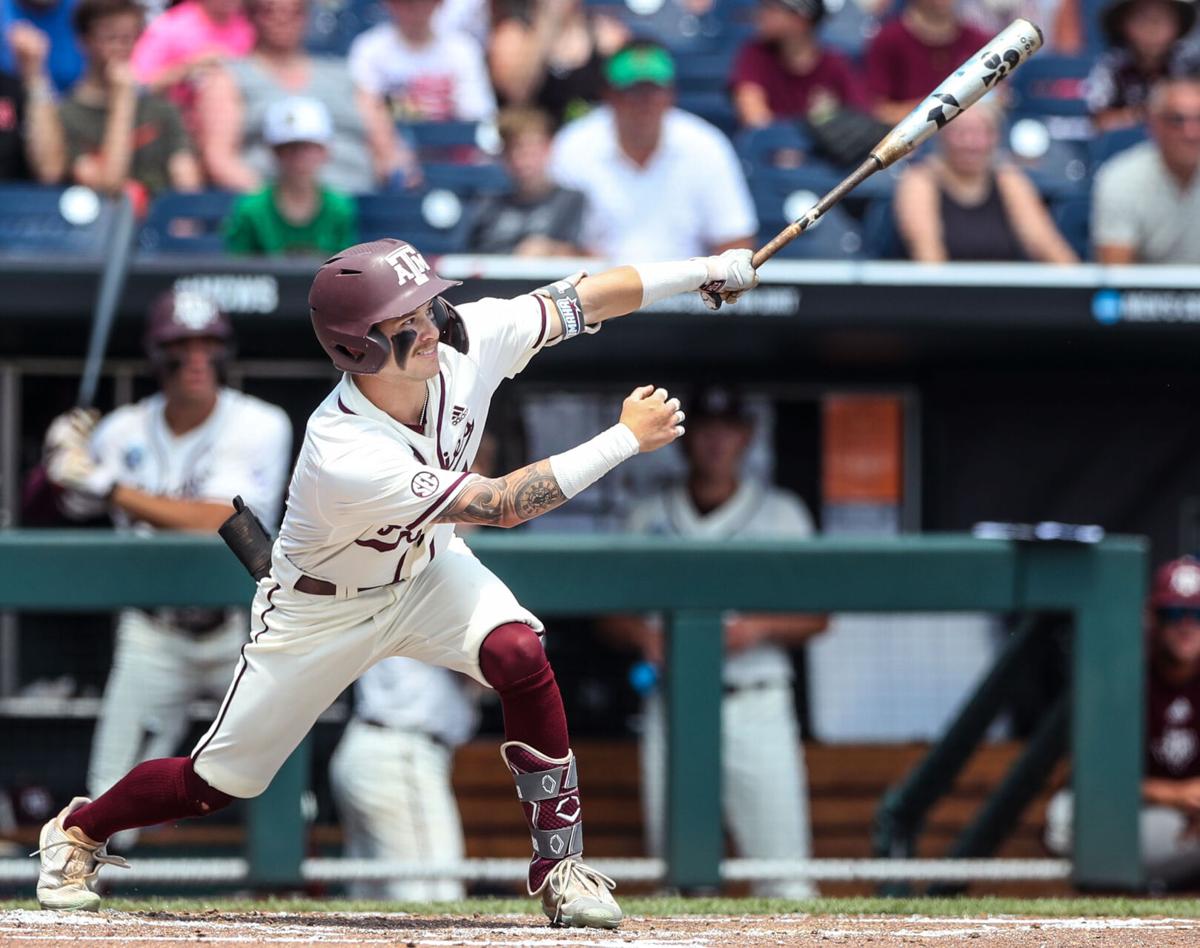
112,280
957,92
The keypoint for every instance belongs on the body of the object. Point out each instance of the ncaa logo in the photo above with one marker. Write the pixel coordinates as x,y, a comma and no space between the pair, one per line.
409,265
424,484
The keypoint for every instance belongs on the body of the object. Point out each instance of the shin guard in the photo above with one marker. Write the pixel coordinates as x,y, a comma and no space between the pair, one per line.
548,790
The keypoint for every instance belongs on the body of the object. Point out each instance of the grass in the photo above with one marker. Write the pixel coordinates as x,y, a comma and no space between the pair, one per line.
661,906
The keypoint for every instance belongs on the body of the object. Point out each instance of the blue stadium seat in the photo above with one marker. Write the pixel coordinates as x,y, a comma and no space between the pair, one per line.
1107,144
31,220
430,137
881,236
713,107
467,180
836,236
1051,85
334,24
1058,167
434,220
1073,217
186,223
762,147
704,72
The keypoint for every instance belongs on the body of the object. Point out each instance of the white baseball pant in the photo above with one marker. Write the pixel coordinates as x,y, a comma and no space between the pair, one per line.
764,785
306,650
393,794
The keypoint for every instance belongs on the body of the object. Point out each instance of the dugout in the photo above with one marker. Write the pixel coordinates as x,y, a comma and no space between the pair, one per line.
1028,394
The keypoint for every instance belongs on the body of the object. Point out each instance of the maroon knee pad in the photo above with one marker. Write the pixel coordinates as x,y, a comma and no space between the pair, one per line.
514,663
155,791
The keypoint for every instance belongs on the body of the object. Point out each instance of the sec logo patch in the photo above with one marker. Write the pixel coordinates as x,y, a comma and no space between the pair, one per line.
424,484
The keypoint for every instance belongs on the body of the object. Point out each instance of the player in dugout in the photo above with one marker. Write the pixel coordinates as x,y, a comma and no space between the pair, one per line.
169,462
1170,814
367,565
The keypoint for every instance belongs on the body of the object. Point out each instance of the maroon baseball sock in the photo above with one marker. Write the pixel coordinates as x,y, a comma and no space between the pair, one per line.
515,664
153,792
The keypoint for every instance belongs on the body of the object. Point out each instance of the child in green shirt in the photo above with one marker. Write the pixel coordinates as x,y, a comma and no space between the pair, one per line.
295,214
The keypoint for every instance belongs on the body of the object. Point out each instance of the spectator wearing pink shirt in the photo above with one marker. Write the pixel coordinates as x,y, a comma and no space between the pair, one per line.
187,40
786,73
914,52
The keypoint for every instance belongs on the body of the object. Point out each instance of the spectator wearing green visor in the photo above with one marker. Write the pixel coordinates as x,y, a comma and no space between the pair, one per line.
296,214
660,183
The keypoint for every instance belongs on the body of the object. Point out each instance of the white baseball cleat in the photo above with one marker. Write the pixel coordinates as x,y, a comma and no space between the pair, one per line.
70,862
577,896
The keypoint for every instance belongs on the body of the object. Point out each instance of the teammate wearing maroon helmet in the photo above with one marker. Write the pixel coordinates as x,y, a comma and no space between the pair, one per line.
170,461
367,564
1170,816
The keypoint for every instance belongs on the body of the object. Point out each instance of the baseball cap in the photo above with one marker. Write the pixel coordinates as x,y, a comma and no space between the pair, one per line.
297,119
716,403
813,9
638,64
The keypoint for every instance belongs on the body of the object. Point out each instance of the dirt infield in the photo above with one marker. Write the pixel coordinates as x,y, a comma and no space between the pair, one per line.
357,929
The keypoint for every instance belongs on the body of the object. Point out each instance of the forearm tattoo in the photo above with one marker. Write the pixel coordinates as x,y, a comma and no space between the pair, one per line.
509,500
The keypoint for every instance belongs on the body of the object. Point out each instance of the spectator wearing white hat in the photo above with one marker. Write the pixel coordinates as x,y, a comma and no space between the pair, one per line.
296,214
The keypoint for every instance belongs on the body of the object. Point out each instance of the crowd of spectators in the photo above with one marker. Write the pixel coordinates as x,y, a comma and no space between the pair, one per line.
612,143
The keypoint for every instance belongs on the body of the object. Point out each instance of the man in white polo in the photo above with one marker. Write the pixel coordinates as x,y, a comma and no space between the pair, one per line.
1146,200
660,183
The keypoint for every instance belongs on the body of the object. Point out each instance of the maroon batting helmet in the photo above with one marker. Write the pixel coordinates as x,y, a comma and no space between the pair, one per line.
1177,584
182,314
366,284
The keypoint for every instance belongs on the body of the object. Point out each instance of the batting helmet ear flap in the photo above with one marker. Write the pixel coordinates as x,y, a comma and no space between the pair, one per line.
354,357
451,328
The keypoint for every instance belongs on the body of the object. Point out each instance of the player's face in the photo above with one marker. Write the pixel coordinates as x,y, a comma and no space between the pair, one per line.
1179,634
416,334
193,369
716,446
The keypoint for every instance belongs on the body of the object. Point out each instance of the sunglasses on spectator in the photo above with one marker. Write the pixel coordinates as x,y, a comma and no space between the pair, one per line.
1179,614
1180,119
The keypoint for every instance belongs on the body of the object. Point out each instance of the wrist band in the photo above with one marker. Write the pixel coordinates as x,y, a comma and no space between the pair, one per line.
661,281
582,466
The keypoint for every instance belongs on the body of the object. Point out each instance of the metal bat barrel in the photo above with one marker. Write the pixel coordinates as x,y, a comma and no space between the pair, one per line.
961,89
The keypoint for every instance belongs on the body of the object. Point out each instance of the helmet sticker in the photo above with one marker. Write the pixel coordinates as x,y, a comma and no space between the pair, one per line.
409,265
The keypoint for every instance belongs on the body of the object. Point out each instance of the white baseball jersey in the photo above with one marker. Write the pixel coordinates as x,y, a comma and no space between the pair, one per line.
367,488
412,696
243,447
753,511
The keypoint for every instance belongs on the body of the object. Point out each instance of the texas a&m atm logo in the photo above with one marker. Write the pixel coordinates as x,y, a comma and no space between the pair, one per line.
409,265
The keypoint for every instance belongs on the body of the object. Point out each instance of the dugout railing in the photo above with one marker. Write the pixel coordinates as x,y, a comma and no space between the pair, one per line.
1099,587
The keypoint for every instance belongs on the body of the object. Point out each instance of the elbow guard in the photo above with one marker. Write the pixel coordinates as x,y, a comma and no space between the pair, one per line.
564,299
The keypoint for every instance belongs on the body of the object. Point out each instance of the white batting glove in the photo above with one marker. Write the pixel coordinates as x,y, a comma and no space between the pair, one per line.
74,469
729,276
72,429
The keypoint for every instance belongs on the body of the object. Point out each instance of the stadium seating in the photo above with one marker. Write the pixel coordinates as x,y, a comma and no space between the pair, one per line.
1051,85
186,223
1107,144
836,236
1072,216
34,221
467,181
881,237
434,220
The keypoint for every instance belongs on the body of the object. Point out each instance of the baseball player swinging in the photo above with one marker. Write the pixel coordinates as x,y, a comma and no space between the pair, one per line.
367,564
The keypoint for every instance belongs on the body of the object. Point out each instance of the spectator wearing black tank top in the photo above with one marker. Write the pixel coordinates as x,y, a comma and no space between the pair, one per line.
962,204
550,54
